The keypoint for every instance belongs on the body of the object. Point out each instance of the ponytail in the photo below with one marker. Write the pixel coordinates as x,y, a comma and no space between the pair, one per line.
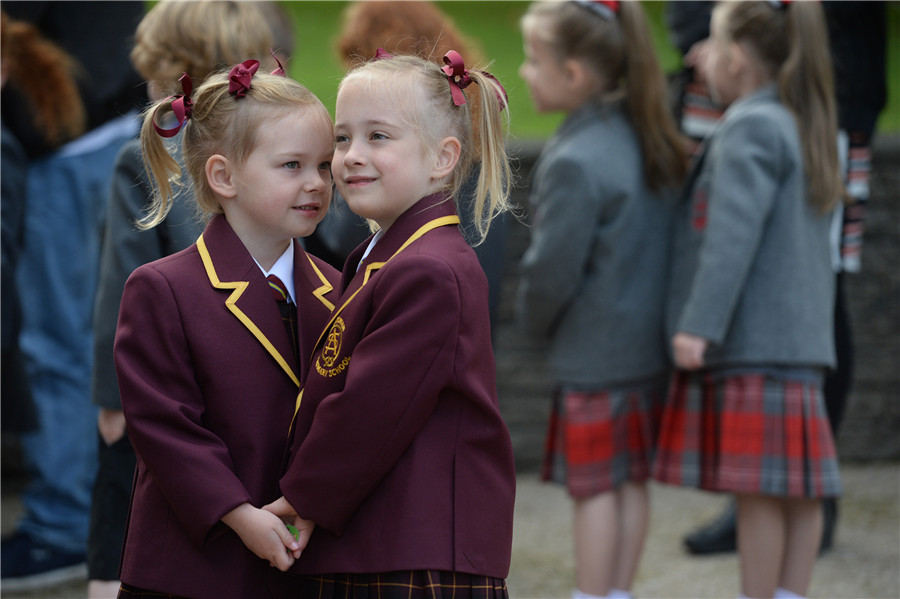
806,86
662,145
162,168
495,174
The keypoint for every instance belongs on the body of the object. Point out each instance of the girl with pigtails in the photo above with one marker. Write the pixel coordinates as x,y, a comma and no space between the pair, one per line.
752,292
401,462
594,275
208,359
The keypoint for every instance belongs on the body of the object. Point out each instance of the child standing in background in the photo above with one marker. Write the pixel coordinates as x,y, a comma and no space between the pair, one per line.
400,457
752,292
593,278
172,38
208,362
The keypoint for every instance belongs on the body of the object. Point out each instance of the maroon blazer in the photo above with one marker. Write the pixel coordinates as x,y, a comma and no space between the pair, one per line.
400,454
205,369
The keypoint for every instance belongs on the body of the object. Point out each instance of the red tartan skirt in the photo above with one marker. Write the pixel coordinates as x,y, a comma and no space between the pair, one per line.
597,440
747,432
405,584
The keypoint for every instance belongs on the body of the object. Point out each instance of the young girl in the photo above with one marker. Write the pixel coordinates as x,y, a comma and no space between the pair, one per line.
172,38
593,278
400,456
752,293
208,362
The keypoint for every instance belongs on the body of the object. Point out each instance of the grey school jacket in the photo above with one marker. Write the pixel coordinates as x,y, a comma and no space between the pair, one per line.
593,279
751,268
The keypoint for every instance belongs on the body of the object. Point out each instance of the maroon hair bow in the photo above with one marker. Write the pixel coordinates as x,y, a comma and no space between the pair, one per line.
280,70
459,79
239,77
381,54
605,9
182,106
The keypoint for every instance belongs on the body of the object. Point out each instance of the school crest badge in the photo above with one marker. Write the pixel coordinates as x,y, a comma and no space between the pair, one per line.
329,362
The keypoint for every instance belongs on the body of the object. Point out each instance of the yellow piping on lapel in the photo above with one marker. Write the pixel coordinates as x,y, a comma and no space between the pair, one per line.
239,287
434,224
325,288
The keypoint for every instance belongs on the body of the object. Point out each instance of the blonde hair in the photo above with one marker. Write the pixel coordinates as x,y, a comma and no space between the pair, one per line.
620,50
220,123
433,116
791,42
198,38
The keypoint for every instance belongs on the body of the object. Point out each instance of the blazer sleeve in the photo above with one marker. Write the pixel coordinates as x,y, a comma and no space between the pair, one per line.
396,375
552,268
124,248
164,408
750,154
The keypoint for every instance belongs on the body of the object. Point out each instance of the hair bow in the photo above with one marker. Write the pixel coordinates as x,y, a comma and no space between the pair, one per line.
280,70
381,54
779,4
182,106
239,77
459,79
605,9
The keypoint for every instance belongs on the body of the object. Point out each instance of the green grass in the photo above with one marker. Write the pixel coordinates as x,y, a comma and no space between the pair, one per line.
495,26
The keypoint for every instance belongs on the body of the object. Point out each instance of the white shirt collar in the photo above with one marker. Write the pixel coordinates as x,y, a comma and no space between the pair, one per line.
375,238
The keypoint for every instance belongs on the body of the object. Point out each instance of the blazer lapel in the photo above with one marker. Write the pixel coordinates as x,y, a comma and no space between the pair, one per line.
246,294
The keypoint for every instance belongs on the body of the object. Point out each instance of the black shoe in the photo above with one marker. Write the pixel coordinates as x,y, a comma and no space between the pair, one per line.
28,563
719,536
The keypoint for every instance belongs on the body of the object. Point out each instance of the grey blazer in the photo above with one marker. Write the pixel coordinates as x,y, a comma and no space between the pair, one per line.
124,248
593,278
751,268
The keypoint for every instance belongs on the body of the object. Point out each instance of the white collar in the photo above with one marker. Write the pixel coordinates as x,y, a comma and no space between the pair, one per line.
375,238
284,270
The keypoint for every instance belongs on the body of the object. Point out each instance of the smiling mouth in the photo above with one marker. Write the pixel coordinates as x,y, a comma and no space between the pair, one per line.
358,180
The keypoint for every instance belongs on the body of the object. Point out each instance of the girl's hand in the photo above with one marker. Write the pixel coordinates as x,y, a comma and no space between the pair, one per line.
284,510
264,534
689,350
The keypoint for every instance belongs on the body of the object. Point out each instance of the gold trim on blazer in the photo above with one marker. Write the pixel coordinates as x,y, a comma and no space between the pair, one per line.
239,287
434,224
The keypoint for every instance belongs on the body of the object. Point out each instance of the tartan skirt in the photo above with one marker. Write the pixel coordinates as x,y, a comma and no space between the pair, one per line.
597,440
757,432
405,584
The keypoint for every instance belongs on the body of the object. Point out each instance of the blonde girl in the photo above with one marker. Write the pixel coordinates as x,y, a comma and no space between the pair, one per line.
593,276
752,292
209,363
401,459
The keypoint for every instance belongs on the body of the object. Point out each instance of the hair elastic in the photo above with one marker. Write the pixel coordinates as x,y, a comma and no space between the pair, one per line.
605,9
182,106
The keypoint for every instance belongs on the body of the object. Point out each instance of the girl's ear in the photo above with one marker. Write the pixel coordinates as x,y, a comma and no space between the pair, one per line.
218,175
447,157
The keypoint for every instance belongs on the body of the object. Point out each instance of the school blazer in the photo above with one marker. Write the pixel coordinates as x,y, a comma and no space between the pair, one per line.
208,388
400,454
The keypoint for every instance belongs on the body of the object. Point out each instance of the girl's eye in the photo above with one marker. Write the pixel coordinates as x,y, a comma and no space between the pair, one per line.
293,164
325,166
340,139
377,135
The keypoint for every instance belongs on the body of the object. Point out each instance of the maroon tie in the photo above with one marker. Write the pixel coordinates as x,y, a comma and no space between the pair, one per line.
288,312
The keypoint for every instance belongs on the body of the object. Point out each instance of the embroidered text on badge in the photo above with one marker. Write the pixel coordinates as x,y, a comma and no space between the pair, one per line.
331,350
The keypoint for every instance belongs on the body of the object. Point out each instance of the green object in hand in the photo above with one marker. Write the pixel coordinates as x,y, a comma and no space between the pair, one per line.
293,530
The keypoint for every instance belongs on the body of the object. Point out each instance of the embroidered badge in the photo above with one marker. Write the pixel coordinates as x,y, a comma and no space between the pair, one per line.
331,351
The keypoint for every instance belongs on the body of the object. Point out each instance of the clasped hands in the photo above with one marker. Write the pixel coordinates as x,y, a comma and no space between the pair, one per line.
264,531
